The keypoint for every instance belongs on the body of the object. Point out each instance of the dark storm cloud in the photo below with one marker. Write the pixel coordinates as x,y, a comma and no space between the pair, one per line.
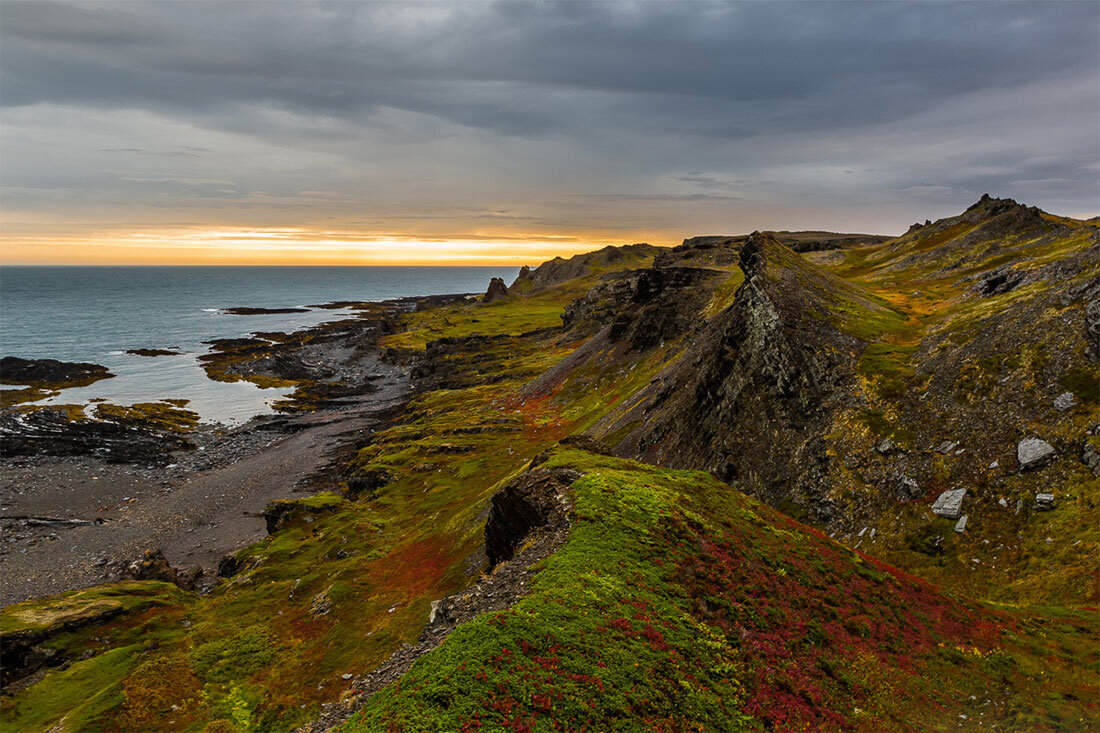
703,101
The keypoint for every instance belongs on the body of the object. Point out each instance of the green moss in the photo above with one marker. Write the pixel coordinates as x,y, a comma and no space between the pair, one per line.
1084,383
233,658
78,695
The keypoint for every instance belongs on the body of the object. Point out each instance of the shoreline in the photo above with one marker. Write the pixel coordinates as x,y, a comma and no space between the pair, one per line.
73,521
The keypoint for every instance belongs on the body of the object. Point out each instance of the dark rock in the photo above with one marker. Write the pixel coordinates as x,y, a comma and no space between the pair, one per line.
497,291
152,352
535,499
50,373
279,514
366,484
1001,280
153,565
55,432
250,311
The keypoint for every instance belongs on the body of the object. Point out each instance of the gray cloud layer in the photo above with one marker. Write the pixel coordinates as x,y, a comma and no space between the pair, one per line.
582,116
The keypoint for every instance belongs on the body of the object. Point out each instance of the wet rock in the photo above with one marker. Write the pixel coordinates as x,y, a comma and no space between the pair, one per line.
1034,453
251,311
497,291
50,373
152,352
58,432
1064,401
1044,502
949,504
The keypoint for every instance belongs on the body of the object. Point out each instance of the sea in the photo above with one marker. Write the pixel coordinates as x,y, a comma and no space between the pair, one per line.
94,314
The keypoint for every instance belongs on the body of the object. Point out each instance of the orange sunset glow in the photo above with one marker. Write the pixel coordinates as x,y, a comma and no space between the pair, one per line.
287,246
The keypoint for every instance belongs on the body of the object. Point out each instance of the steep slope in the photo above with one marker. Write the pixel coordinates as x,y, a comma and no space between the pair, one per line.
679,604
752,396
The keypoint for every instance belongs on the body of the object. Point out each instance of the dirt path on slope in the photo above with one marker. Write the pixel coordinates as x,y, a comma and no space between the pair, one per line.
73,522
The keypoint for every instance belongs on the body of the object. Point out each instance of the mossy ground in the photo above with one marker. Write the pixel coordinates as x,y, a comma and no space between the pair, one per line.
680,604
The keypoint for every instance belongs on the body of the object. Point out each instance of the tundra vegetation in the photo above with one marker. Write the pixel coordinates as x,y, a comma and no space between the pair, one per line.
755,438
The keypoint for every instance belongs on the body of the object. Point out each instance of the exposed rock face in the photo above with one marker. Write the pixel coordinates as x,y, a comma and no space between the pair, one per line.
1001,280
24,651
532,501
497,291
750,401
643,307
1034,453
50,373
949,504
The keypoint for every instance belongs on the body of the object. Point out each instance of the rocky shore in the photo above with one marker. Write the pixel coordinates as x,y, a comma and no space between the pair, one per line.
85,491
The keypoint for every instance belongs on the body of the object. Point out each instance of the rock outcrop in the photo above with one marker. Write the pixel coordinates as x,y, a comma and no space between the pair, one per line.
751,398
497,291
50,373
534,501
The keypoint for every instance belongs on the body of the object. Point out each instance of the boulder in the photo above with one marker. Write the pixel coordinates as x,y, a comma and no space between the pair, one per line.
153,565
497,291
1091,458
1033,453
949,504
1064,401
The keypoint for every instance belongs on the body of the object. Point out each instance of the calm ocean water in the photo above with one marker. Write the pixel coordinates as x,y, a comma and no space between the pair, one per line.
96,313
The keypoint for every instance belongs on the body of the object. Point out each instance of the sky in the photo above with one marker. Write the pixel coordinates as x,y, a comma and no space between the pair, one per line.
467,132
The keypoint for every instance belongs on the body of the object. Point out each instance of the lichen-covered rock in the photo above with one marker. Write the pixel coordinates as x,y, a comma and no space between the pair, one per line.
949,504
1034,453
1064,401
